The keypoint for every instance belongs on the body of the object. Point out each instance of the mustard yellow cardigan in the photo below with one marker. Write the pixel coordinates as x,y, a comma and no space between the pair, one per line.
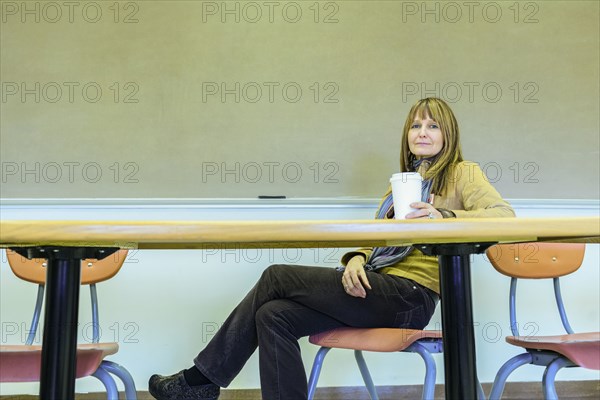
469,195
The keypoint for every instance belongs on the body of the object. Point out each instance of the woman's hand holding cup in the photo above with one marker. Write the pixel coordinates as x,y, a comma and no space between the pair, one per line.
423,210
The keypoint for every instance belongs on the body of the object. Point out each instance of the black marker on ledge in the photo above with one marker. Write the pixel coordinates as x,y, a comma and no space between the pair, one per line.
265,197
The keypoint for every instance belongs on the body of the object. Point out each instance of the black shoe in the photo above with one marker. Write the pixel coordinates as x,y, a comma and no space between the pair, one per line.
175,387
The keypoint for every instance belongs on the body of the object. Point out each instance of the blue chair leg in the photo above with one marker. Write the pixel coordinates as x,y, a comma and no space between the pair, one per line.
316,371
108,382
430,370
480,393
504,371
550,375
364,371
123,375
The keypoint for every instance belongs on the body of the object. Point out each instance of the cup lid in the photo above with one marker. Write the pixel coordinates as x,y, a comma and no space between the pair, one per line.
406,175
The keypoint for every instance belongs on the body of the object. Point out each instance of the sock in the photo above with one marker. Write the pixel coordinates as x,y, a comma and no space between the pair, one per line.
194,377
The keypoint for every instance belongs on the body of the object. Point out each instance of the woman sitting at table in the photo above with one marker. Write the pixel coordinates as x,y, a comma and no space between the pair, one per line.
395,287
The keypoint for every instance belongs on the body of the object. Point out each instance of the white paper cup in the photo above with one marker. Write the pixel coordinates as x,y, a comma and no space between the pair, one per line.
406,189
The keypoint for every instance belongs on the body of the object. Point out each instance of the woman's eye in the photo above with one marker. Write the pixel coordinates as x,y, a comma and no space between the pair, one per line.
415,126
434,126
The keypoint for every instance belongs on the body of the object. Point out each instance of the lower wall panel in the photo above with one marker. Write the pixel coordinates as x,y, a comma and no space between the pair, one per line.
164,306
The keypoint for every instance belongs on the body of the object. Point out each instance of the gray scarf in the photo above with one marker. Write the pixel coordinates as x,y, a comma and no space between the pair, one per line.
386,256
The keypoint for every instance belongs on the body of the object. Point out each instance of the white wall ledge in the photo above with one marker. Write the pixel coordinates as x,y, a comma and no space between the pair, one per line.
259,203
247,209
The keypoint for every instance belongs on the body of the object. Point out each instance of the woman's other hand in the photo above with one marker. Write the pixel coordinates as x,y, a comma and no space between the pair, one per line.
354,278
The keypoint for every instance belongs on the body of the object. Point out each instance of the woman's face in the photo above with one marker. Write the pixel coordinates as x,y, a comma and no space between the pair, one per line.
425,138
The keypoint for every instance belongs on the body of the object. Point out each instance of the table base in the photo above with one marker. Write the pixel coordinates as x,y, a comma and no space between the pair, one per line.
457,316
59,342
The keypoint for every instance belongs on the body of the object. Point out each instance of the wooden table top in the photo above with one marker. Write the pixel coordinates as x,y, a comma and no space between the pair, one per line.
305,234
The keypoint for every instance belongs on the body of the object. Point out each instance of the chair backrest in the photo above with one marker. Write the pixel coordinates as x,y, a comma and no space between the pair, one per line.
92,271
536,260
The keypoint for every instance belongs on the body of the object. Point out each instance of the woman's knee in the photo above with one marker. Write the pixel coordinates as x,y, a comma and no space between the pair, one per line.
275,270
267,314
279,312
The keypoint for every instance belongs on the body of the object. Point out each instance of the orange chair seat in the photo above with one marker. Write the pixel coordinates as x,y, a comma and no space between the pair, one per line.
21,363
582,349
372,339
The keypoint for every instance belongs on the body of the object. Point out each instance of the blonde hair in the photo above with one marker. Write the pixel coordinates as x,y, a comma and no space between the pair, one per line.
442,164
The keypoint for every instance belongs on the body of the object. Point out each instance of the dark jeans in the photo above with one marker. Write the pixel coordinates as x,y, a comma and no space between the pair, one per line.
289,302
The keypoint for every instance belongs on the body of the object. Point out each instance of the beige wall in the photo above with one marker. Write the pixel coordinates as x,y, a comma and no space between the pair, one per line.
521,76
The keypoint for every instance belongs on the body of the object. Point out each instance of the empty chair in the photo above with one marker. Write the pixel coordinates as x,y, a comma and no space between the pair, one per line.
543,261
21,363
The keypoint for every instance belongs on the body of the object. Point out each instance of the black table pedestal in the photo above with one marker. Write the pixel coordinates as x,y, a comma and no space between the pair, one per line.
457,316
59,343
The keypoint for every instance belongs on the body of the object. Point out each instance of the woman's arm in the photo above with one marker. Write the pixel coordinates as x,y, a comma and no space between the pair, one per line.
479,198
364,251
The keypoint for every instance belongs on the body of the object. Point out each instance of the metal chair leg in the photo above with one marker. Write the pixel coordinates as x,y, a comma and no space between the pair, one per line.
504,371
109,383
316,371
550,375
124,375
366,375
480,393
430,370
